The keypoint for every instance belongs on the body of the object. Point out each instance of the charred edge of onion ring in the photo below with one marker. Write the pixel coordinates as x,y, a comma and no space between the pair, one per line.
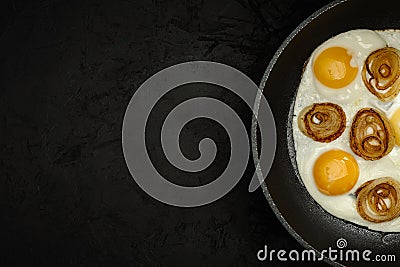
371,196
331,122
360,140
377,68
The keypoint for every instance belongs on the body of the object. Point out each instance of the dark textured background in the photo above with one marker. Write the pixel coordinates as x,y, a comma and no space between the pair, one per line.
67,72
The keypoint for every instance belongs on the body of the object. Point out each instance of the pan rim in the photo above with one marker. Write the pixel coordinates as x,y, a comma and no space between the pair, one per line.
264,79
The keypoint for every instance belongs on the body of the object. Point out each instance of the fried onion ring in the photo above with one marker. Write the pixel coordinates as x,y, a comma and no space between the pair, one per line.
381,73
323,122
371,135
378,200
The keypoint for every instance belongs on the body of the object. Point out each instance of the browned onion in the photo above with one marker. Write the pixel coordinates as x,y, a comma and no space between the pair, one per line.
323,122
378,200
381,73
371,135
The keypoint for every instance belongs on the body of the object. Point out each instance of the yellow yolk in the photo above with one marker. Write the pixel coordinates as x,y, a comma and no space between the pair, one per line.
395,121
332,68
335,172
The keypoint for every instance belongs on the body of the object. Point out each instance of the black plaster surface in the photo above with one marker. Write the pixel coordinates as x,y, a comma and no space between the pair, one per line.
67,72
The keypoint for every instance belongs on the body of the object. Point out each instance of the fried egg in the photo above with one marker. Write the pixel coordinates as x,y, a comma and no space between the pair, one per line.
337,63
332,172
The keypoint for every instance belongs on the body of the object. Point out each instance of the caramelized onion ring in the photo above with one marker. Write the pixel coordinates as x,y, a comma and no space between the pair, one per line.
381,73
323,122
371,135
378,200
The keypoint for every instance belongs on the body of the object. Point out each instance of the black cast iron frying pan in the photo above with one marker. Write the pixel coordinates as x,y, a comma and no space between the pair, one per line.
298,212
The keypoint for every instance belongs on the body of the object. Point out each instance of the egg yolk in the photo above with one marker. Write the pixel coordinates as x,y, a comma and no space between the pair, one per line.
335,172
395,121
332,68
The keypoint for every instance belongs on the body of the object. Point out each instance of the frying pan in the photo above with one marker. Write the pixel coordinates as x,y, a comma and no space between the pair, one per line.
311,225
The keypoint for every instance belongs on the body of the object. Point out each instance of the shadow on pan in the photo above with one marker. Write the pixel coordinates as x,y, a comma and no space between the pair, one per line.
298,212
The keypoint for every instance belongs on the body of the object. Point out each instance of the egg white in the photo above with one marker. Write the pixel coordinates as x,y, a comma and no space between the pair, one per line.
307,150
